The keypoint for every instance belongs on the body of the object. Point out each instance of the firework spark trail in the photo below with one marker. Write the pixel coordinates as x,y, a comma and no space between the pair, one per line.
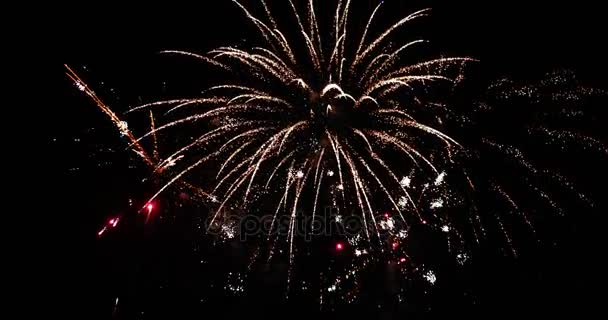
281,64
301,185
387,63
517,157
360,187
397,82
566,136
371,67
154,138
404,147
315,203
197,56
312,52
394,177
138,149
287,157
369,23
233,171
218,132
164,102
265,31
272,144
338,162
319,164
262,149
396,112
314,29
249,133
499,190
269,15
378,40
388,194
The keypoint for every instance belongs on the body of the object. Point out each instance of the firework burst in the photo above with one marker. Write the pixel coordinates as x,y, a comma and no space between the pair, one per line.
317,118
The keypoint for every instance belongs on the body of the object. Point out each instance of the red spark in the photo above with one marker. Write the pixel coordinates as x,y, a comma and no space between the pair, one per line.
395,245
402,260
339,246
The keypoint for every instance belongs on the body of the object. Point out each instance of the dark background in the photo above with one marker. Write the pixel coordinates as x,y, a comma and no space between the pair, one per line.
154,270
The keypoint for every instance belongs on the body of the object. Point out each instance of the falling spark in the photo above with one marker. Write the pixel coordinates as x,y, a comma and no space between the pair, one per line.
405,181
402,202
462,258
430,277
437,204
439,179
80,86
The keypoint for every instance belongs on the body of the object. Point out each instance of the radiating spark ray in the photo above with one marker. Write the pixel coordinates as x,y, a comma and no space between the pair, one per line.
139,150
315,202
154,138
318,164
390,30
336,153
369,23
278,166
381,185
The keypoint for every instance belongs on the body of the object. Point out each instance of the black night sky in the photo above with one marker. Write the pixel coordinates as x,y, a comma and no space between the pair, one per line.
163,269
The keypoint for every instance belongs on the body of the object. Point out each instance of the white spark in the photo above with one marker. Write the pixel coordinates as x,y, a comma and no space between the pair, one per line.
437,204
332,288
402,202
461,258
80,86
430,277
440,179
340,187
338,218
300,174
123,126
172,161
405,182
445,228
402,234
389,224
330,173
235,283
228,231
